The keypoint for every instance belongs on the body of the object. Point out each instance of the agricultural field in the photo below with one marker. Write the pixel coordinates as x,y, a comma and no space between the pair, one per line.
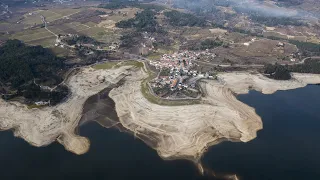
51,15
38,36
87,21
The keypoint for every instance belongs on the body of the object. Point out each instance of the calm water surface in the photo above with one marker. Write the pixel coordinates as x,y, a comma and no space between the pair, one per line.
287,148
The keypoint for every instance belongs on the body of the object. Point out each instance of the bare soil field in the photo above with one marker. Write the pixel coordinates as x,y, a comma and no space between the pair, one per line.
259,51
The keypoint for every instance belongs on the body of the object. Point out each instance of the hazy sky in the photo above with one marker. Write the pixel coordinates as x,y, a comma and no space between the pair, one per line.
252,5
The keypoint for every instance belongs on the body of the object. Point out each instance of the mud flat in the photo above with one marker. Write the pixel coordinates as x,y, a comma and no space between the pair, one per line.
41,127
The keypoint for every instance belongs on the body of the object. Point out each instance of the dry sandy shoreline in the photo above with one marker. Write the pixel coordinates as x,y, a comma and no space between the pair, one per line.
187,131
41,127
174,131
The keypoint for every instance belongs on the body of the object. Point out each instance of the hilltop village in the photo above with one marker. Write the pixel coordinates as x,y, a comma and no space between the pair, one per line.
177,77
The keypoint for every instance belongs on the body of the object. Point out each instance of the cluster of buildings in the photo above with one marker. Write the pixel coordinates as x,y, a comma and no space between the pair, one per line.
60,38
147,45
182,60
42,103
176,70
170,82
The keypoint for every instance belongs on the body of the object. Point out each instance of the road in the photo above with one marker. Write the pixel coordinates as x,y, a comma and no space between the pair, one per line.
303,60
43,19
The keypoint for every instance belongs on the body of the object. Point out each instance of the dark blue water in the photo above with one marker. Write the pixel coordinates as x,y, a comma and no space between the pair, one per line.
113,156
287,148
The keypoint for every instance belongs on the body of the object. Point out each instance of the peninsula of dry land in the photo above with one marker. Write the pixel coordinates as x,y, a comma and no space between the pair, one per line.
176,132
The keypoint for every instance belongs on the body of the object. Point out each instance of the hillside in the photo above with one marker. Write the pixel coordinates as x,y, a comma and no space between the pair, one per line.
25,69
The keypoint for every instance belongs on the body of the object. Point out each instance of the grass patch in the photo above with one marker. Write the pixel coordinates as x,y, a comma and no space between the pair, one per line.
65,12
60,52
92,32
107,65
33,106
35,37
136,64
45,42
154,56
91,24
110,65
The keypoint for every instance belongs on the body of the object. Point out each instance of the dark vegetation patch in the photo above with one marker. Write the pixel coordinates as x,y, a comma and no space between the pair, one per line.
81,40
143,22
177,18
130,39
280,72
120,4
276,21
115,5
24,68
206,44
309,66
20,63
308,48
87,49
277,72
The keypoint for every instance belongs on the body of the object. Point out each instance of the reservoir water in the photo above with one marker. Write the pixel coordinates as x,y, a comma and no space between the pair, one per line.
287,148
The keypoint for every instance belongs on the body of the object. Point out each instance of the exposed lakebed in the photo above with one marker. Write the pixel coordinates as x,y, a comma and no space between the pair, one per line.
286,148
